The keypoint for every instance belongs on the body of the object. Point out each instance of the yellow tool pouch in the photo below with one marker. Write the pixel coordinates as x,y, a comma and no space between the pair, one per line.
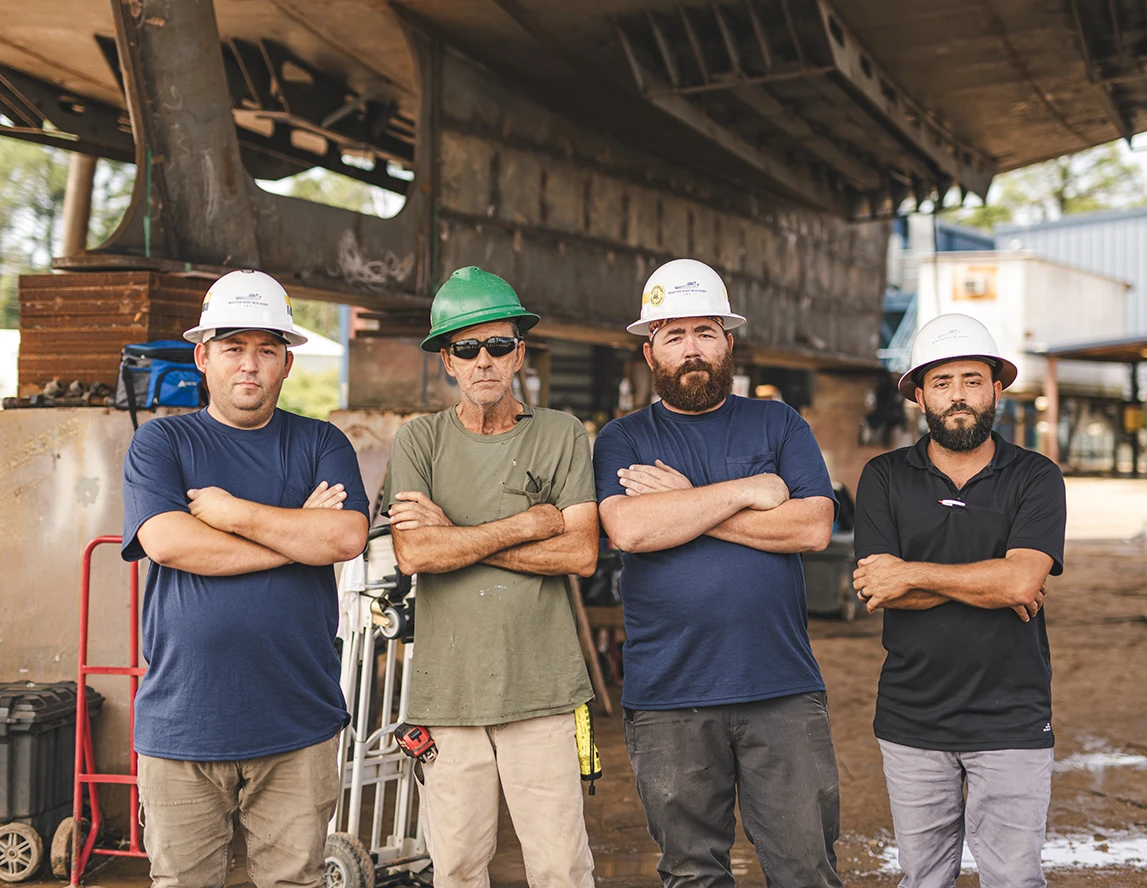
587,756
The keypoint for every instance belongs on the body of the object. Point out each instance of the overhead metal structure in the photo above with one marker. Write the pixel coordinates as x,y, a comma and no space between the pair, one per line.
847,106
570,145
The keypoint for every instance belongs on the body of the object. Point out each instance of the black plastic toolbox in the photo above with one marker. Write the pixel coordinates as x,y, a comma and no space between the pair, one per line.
38,751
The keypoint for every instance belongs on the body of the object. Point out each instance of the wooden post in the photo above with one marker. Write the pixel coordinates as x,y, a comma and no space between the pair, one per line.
78,203
587,646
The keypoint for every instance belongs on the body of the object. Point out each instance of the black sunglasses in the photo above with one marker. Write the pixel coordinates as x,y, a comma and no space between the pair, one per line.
497,346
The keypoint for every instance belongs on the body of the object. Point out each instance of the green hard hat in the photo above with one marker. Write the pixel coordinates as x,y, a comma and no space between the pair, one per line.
470,297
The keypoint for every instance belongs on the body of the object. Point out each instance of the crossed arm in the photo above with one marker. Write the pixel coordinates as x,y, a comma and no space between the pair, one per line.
226,536
662,509
540,540
1016,581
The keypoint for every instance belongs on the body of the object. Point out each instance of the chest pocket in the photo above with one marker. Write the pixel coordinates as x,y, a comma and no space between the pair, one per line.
747,466
515,499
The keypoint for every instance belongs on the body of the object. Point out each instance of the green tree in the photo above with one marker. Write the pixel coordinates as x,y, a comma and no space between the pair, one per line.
1102,178
311,394
111,196
33,179
322,317
32,183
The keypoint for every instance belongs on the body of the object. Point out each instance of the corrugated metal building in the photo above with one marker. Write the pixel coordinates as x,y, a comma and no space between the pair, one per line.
1110,243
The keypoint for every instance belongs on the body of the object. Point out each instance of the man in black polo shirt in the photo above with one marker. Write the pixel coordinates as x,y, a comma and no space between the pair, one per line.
956,537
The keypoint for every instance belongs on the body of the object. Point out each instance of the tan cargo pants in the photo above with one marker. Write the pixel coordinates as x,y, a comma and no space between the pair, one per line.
535,761
284,802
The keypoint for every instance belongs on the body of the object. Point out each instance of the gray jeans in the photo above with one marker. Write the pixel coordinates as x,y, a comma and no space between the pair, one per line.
773,756
1008,791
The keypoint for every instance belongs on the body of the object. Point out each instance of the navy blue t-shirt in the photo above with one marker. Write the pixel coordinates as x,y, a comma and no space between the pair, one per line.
239,666
713,622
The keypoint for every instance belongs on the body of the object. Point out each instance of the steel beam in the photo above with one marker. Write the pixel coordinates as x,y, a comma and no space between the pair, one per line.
91,126
666,51
905,118
1104,90
759,31
860,174
799,184
195,202
729,41
694,43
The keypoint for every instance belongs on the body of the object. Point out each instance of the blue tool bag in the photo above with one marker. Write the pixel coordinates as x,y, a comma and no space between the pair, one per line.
159,374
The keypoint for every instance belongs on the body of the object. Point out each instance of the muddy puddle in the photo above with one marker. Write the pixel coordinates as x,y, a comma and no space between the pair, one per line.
1065,852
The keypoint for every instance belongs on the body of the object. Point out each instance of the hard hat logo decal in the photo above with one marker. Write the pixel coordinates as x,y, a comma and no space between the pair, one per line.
684,288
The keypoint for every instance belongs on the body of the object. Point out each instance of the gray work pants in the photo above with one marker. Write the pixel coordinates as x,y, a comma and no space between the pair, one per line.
772,757
1004,817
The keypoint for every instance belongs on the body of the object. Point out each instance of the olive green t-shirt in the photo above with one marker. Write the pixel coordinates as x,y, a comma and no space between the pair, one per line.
491,645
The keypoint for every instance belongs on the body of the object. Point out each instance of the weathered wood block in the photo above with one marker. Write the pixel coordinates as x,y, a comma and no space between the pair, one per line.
73,326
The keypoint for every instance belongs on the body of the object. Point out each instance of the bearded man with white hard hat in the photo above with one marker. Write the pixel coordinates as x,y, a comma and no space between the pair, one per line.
243,509
956,536
712,498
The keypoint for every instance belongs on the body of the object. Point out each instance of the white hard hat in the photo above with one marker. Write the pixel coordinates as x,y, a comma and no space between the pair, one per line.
952,337
684,288
246,300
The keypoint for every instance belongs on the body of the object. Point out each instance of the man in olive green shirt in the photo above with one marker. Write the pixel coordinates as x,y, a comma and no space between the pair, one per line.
492,504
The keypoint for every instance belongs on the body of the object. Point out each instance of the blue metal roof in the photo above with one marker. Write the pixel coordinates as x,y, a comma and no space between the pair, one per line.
1109,243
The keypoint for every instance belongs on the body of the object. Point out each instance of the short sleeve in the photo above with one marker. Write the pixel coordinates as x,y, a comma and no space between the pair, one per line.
801,464
875,531
152,484
611,451
409,467
1041,521
338,464
573,482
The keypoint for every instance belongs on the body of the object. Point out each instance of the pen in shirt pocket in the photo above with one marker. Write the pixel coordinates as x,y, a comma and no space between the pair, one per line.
952,502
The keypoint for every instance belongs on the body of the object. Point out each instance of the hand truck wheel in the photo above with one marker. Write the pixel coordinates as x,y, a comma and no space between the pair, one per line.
62,853
21,852
348,863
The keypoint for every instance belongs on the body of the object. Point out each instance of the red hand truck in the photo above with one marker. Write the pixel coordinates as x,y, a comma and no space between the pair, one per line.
71,849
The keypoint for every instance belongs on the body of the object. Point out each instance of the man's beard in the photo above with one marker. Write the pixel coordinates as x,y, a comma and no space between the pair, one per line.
694,396
962,438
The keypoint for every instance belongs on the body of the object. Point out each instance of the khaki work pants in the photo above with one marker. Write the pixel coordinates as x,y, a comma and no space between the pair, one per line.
284,802
535,761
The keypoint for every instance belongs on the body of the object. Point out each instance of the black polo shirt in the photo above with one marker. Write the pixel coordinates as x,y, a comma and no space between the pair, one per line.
959,677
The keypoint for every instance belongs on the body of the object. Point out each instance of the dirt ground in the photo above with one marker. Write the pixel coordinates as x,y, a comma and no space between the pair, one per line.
1097,623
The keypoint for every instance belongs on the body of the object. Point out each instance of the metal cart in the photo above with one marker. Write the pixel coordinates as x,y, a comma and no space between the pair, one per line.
375,609
75,840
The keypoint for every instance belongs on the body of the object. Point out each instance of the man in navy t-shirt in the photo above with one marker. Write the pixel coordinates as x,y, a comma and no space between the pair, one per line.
242,509
712,498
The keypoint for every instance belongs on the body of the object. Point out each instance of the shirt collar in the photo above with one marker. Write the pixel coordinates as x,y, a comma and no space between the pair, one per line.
1005,453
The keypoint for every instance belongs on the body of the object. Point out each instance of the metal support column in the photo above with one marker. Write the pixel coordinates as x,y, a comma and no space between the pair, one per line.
1137,414
191,188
